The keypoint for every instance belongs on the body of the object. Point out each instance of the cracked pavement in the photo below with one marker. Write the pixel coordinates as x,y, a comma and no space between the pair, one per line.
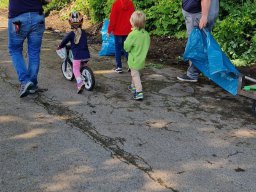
181,137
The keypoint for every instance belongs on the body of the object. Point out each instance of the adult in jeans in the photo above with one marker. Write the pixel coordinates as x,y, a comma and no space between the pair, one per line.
120,26
202,13
26,21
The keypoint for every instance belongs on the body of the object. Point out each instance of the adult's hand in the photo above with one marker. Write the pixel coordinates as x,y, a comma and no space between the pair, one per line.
203,22
205,4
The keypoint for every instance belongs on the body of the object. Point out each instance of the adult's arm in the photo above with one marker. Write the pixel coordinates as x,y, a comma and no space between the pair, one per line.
205,4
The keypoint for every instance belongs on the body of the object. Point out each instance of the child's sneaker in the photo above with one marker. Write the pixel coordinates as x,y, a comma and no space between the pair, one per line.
138,96
132,89
80,87
119,70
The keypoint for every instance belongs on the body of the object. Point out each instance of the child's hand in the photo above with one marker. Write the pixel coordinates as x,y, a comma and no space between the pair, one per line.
108,35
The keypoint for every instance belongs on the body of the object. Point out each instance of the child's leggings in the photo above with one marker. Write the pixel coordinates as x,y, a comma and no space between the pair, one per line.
76,69
136,82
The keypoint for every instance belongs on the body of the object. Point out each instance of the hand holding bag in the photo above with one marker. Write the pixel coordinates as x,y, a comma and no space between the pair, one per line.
205,53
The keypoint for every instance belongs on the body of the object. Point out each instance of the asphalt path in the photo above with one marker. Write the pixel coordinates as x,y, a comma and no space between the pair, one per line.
181,137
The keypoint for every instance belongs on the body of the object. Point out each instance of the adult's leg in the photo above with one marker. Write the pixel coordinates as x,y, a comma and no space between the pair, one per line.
34,45
192,20
123,51
15,45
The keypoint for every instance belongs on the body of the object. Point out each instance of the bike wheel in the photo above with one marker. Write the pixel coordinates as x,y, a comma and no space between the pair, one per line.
67,71
88,78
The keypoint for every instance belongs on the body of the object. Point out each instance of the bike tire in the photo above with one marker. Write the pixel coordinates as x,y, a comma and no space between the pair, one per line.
88,77
67,70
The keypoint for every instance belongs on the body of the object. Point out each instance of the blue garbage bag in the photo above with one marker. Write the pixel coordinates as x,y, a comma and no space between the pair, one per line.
108,43
206,54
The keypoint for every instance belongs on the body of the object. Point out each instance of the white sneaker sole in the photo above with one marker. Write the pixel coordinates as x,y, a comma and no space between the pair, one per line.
187,80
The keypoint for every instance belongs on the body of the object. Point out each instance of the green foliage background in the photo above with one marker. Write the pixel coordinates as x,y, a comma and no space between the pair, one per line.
235,30
3,3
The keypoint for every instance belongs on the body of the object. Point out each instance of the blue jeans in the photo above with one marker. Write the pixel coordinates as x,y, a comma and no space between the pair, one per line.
119,50
192,20
32,26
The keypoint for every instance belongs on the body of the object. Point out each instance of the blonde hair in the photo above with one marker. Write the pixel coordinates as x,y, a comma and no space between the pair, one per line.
138,20
78,33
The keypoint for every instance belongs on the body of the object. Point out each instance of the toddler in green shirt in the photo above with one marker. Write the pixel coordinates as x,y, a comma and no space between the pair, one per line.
137,46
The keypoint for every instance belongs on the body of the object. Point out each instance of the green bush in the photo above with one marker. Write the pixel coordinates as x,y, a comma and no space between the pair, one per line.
165,18
107,8
56,5
228,6
81,6
237,33
96,9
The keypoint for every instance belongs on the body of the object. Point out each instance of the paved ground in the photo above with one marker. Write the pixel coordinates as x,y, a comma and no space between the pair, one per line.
182,137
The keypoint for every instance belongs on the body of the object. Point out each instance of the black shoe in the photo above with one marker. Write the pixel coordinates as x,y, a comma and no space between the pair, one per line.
33,89
186,78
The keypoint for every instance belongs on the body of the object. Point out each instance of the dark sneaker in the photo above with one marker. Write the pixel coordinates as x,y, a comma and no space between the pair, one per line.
132,89
138,96
33,89
24,89
80,87
186,78
128,70
119,70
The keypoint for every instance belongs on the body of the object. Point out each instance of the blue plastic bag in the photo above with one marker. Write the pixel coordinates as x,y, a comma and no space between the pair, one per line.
205,53
108,43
